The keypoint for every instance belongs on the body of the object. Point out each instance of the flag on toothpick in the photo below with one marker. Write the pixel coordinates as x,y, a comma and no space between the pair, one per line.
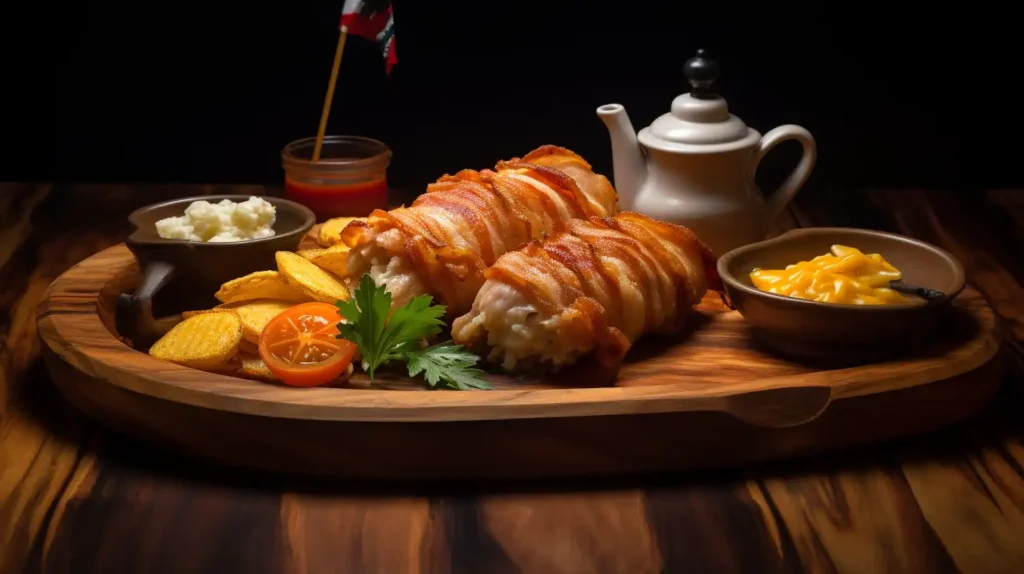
372,19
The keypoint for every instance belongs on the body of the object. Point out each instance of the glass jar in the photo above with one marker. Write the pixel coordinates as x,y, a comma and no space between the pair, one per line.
349,180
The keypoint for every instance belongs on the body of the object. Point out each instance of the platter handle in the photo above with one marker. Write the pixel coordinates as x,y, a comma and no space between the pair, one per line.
779,407
135,318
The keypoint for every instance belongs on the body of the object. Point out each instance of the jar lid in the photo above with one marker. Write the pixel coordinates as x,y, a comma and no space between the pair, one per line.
700,117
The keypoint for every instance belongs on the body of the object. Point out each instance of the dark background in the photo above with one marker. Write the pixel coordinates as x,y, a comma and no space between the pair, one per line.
178,92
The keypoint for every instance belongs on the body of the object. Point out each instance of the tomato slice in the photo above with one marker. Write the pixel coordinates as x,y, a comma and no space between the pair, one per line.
300,345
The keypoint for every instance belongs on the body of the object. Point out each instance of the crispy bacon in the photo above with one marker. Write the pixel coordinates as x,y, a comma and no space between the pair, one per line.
465,222
611,279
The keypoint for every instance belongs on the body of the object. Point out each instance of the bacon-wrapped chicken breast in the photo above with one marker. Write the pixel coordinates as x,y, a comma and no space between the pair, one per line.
445,241
593,289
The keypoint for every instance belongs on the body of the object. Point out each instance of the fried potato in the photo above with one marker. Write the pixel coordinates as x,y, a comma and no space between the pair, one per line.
310,253
333,259
248,347
256,314
253,366
330,230
312,238
232,368
204,341
217,309
259,285
344,376
310,279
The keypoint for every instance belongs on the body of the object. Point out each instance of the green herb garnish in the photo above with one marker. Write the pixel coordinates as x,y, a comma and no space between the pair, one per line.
447,363
382,339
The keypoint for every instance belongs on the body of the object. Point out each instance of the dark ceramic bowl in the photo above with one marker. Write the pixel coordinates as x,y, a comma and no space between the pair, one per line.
177,275
846,333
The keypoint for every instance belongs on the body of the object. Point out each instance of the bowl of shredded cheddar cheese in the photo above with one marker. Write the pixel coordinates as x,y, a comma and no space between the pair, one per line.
840,292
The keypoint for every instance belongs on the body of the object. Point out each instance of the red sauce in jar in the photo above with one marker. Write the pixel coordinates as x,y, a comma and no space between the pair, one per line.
339,199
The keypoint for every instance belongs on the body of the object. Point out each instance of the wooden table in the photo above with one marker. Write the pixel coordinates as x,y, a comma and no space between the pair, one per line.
75,498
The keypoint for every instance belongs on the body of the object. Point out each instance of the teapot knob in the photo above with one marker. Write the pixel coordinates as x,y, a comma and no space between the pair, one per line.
701,71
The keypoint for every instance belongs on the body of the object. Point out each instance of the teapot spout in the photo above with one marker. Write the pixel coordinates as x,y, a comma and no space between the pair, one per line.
627,158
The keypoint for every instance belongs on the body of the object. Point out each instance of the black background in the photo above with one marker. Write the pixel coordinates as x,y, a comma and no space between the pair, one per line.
211,92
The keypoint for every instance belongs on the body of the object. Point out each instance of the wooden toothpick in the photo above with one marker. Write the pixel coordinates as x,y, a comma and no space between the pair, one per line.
330,94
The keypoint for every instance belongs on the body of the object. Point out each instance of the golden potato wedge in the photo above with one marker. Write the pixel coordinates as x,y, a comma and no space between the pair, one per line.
333,259
344,376
256,314
217,309
312,237
330,230
248,347
310,253
204,341
254,367
303,275
259,285
232,368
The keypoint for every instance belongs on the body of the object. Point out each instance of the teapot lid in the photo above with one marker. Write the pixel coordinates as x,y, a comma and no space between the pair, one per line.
700,117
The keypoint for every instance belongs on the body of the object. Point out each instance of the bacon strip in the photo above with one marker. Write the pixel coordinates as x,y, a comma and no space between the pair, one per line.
609,279
465,222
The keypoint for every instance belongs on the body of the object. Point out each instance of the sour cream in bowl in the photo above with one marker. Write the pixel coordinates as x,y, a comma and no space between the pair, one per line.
188,247
222,222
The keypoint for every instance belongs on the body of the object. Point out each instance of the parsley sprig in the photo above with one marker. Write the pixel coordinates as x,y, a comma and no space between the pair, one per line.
399,337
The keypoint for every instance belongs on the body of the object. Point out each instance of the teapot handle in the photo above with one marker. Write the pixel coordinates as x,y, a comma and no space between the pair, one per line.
778,201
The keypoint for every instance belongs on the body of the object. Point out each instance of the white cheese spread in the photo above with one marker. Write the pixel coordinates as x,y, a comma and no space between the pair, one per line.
221,222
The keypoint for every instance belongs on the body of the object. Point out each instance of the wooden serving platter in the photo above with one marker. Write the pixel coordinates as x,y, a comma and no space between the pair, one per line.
705,398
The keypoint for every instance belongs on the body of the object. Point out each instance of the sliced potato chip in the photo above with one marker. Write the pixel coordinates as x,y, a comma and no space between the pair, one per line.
256,314
330,230
253,366
310,279
333,259
248,347
232,368
311,238
204,341
217,309
259,285
310,253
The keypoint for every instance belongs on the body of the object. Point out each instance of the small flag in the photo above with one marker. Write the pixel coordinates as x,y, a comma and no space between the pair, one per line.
374,20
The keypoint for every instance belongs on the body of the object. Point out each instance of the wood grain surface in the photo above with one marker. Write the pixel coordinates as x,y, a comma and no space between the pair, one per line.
78,498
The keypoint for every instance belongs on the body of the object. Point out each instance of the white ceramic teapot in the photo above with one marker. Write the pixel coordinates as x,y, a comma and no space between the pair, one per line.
695,165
